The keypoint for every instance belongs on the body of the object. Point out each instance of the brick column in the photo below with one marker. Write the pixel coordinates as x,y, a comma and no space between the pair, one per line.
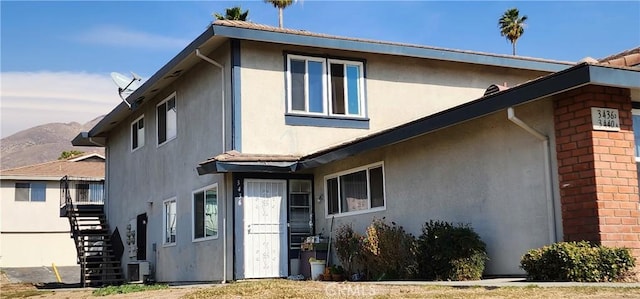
597,169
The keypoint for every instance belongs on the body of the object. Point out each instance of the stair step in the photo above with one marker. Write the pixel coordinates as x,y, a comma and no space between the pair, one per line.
110,271
102,259
103,277
109,260
100,282
99,215
93,232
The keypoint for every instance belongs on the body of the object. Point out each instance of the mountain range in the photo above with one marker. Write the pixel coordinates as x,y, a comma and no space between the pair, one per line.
43,143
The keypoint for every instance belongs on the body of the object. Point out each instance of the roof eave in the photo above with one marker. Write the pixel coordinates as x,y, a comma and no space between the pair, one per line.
83,139
389,48
30,178
255,166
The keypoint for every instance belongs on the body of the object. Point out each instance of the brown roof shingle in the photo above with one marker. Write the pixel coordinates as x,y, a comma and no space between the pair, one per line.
83,169
235,156
627,58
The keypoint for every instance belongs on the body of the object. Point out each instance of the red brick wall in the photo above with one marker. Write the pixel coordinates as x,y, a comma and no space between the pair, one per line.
597,169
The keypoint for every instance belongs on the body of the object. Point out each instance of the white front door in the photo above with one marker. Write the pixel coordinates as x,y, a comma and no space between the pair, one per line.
264,229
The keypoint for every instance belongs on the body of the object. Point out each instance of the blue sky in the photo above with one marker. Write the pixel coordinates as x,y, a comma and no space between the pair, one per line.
56,56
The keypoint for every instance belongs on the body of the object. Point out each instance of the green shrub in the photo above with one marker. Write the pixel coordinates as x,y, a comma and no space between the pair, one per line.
388,252
127,288
347,244
577,261
450,252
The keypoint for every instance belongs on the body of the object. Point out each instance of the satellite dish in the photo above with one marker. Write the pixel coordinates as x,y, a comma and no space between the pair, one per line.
125,85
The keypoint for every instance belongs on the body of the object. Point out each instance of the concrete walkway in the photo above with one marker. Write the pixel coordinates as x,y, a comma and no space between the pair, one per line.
68,275
511,282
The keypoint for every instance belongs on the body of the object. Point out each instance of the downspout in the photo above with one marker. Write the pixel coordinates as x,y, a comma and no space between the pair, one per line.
511,115
224,146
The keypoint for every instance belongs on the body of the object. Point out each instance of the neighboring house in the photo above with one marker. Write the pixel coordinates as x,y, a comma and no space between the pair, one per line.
255,137
32,234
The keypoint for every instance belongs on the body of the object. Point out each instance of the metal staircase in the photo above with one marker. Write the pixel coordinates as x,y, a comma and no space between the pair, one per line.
99,265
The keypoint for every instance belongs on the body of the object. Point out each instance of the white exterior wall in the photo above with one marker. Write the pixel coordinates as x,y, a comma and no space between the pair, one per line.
32,234
139,181
487,172
398,90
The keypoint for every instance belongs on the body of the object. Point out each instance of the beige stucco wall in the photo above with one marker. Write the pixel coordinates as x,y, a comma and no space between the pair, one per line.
398,89
36,250
138,182
33,233
487,172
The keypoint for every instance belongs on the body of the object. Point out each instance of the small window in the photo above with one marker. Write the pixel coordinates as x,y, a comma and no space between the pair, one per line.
31,192
327,87
205,213
169,222
167,119
137,133
355,191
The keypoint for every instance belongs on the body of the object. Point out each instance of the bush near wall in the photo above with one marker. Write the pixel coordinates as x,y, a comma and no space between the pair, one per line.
577,261
450,252
348,247
444,251
388,252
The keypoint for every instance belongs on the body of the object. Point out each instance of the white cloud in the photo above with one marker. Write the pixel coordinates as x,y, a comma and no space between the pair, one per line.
29,99
121,37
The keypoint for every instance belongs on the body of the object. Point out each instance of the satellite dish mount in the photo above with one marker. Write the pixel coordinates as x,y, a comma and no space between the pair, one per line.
125,85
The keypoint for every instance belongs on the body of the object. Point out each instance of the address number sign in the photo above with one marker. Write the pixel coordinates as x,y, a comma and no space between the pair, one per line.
605,119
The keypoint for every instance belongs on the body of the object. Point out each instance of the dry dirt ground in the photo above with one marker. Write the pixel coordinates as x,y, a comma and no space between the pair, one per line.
314,289
29,290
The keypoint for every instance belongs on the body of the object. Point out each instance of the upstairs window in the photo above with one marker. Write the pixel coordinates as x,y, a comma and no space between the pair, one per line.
167,119
325,87
31,192
137,133
356,191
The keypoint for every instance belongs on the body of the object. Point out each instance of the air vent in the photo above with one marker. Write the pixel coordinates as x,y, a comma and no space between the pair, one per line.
494,88
174,74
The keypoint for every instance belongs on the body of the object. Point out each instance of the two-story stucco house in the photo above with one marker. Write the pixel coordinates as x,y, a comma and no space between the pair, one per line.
255,137
32,234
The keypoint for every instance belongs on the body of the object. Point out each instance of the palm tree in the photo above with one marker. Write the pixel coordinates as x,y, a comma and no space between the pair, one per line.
280,4
233,13
512,26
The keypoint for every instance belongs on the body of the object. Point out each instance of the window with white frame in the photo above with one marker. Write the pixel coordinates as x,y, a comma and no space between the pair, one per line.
169,221
205,213
137,133
31,192
325,87
356,190
167,119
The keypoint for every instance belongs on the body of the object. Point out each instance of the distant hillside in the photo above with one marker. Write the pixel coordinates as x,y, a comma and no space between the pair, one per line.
43,143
